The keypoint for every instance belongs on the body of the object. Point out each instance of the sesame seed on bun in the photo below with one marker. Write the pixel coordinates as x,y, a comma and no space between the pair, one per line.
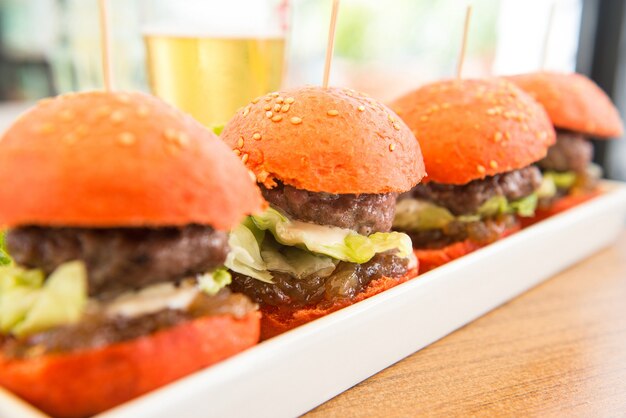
330,140
573,102
471,129
103,159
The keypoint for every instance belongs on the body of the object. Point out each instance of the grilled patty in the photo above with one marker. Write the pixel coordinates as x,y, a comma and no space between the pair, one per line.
363,213
572,152
467,198
120,259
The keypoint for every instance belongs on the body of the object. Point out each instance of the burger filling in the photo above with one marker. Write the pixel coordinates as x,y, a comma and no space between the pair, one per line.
344,282
66,298
132,315
316,248
567,169
436,215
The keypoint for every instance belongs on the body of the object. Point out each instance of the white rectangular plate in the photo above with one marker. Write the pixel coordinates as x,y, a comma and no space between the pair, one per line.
290,374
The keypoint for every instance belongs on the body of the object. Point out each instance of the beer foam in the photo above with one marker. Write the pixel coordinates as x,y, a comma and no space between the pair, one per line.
180,31
201,19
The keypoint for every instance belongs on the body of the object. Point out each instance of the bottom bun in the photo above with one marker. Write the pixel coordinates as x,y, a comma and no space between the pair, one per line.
432,258
276,321
559,206
84,383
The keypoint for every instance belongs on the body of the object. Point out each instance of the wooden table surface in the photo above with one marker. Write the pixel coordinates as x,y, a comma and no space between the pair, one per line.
557,350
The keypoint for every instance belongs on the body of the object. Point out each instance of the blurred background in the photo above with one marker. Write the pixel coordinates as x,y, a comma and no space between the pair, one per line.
383,48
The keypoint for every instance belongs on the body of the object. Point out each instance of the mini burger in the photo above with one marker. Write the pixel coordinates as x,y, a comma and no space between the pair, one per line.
579,109
118,209
331,163
479,139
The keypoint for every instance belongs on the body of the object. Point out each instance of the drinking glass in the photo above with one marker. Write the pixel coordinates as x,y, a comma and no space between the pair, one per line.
209,58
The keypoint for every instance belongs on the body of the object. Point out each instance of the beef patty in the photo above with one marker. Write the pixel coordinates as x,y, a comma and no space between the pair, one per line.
467,198
572,152
120,259
363,213
345,282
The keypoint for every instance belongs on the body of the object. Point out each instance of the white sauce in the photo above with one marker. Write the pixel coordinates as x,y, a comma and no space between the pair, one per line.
153,299
298,231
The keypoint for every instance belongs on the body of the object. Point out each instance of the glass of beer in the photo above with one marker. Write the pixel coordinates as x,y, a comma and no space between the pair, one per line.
209,58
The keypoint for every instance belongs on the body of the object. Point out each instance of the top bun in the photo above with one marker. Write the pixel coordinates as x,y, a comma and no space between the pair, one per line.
471,129
326,140
100,159
573,102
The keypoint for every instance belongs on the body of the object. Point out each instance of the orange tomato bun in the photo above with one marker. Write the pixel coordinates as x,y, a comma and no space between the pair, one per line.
573,102
102,159
326,140
471,129
84,383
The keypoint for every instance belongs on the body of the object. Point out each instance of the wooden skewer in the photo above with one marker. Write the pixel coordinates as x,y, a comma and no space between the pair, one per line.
285,25
546,38
468,16
331,42
105,45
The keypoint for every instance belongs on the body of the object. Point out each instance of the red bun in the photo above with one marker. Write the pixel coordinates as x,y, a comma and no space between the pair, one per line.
561,205
433,258
88,382
326,140
276,321
126,159
470,129
573,102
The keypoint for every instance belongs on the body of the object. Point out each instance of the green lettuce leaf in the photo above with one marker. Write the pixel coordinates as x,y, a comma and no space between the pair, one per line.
568,180
296,262
525,206
254,255
5,260
547,188
302,249
245,252
338,243
495,206
564,180
419,215
18,289
430,216
29,305
211,283
499,205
